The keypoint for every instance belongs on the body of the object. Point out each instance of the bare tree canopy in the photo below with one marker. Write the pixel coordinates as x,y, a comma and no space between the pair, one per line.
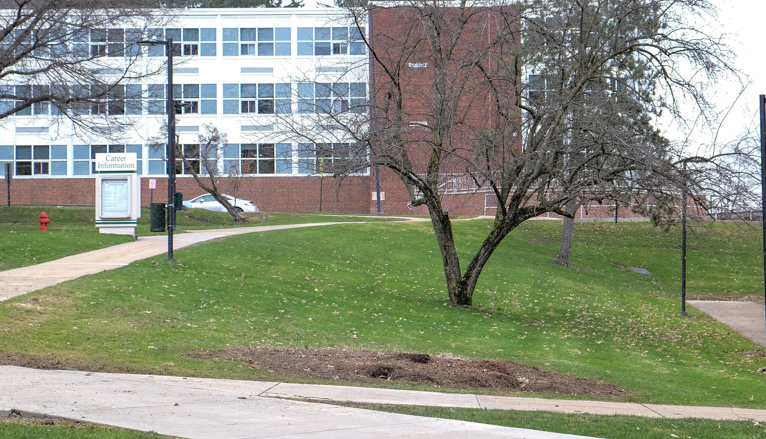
61,59
541,103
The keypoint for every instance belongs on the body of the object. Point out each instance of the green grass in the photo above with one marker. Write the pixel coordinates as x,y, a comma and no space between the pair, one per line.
73,230
67,430
609,427
381,287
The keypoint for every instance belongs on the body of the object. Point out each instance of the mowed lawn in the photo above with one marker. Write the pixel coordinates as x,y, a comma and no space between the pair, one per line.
381,287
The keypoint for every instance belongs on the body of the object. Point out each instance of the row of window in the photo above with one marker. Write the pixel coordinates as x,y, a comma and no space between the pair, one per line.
263,98
237,159
261,41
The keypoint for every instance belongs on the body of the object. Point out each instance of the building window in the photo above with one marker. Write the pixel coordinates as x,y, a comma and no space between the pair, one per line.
84,162
262,41
190,164
258,159
186,41
315,97
194,98
331,41
256,98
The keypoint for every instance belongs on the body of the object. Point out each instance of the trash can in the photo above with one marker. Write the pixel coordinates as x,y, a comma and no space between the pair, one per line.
157,217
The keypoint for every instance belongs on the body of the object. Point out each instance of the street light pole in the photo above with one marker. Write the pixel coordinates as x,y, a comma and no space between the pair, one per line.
171,151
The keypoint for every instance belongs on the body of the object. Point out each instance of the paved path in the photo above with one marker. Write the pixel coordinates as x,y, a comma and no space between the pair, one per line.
211,408
747,318
27,279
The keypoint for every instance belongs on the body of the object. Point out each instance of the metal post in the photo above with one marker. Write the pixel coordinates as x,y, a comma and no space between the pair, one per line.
8,177
171,109
683,243
761,105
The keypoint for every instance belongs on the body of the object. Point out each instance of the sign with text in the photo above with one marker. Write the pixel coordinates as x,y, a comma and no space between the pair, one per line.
116,162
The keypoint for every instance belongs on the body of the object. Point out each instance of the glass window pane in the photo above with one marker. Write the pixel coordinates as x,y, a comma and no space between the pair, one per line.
322,49
81,168
340,33
230,107
42,152
358,49
265,34
305,90
208,107
305,49
265,90
282,34
207,49
282,49
230,49
207,34
284,150
322,34
230,34
173,33
23,152
358,89
305,34
323,90
340,89
58,152
81,152
58,168
282,91
356,33
191,34
209,91
191,91
248,91
247,34
231,150
265,49
231,91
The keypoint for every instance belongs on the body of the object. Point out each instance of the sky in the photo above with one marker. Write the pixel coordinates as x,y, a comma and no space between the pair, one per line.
742,23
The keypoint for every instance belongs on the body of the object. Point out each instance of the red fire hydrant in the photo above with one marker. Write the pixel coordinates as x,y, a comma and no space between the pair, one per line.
44,221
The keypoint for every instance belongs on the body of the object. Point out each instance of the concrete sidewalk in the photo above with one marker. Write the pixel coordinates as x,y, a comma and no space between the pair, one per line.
210,408
27,279
747,318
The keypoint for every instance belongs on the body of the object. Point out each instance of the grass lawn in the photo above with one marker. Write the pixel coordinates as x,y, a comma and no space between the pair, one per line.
73,230
612,427
67,430
380,287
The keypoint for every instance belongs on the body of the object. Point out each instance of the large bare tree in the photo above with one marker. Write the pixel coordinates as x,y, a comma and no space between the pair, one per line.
541,102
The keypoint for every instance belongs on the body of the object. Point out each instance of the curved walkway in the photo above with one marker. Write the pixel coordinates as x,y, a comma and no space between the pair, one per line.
213,408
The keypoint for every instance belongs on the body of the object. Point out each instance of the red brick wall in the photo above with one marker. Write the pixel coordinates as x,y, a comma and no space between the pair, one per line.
276,194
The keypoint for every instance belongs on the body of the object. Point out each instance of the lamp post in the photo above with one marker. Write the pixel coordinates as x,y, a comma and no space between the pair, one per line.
171,152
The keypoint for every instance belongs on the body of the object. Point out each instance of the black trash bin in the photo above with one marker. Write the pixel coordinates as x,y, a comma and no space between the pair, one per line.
157,217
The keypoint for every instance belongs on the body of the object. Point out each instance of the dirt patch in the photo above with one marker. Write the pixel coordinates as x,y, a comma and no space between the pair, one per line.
417,368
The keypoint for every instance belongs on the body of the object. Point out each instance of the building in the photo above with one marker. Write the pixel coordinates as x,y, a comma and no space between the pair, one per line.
274,81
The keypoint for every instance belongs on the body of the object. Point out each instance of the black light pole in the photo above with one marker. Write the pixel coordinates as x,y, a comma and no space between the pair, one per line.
683,244
171,152
761,105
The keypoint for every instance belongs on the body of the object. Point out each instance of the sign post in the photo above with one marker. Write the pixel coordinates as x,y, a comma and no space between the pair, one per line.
8,178
118,193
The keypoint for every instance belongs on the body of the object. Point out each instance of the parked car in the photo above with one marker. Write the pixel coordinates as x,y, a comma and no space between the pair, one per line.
209,203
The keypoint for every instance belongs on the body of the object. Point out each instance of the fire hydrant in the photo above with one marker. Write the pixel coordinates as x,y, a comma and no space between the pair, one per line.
44,221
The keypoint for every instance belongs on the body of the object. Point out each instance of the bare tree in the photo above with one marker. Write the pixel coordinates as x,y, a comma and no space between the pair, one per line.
201,161
456,91
71,59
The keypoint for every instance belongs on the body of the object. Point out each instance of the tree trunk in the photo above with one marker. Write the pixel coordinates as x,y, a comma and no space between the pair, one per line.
457,288
567,235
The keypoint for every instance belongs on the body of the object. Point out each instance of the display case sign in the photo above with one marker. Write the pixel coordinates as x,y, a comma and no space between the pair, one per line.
115,198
